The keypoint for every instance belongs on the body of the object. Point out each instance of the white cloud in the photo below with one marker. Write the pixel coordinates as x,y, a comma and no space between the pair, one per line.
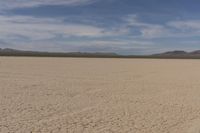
185,25
30,33
33,33
9,4
146,30
121,43
185,28
55,34
172,29
154,31
45,28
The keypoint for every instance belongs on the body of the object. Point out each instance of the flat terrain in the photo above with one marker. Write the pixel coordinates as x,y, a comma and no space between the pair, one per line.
80,95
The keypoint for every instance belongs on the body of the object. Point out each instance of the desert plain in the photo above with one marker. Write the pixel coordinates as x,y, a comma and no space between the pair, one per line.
96,95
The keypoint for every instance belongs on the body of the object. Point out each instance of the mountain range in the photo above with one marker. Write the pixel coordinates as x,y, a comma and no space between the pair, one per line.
170,54
15,52
179,54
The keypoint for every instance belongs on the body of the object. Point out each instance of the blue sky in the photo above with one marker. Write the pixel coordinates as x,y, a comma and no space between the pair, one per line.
121,26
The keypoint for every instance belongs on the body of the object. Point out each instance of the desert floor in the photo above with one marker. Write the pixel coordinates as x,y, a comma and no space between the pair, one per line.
80,95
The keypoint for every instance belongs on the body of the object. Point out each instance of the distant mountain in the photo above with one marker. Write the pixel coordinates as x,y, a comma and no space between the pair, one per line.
178,54
197,52
7,50
172,53
15,52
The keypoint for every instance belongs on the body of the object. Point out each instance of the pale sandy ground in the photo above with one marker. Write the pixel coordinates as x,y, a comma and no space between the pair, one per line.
66,95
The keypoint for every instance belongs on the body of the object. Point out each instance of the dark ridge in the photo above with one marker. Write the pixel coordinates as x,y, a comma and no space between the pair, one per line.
177,54
166,55
171,53
14,52
197,52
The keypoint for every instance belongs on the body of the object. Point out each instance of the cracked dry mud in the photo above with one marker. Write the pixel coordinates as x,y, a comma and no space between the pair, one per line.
80,95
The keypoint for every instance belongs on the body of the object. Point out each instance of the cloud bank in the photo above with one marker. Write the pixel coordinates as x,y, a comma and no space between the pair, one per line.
127,33
10,4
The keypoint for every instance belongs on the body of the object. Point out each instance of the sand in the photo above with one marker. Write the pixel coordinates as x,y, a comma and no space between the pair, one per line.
80,95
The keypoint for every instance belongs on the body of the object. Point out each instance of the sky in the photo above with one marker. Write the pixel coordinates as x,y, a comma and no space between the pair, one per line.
121,26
